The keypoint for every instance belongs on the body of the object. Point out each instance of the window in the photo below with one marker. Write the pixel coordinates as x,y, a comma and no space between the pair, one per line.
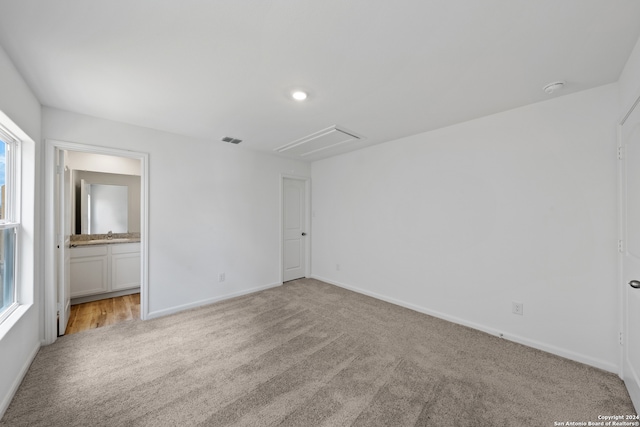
9,223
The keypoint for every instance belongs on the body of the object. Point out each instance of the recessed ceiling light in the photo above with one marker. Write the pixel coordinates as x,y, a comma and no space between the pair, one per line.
299,95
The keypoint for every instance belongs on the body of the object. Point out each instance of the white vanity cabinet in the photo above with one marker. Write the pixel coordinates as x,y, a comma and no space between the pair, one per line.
102,269
89,270
125,266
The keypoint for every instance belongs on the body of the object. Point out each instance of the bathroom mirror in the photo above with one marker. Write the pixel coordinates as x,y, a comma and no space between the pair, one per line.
103,202
104,208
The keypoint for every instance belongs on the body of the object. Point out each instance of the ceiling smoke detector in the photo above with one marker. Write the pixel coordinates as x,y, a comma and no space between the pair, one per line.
553,87
231,140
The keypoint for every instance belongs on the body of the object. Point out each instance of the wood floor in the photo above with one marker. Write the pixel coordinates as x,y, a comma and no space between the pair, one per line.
104,312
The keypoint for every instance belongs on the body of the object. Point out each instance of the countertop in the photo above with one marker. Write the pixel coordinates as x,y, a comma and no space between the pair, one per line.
95,242
103,239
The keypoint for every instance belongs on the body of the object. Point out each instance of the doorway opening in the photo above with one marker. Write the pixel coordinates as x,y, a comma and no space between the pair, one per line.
97,260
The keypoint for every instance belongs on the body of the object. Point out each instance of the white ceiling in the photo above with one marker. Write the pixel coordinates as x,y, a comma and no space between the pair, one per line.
383,69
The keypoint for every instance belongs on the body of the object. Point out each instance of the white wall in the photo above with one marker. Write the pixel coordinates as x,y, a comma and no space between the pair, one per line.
629,82
214,208
20,334
459,222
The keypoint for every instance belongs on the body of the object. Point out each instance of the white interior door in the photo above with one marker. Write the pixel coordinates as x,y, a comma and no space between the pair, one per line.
63,225
293,225
630,138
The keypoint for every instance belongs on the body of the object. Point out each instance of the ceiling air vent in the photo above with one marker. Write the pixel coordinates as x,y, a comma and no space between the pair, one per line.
318,141
231,140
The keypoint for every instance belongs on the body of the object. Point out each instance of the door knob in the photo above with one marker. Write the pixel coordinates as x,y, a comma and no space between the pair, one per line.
635,284
304,234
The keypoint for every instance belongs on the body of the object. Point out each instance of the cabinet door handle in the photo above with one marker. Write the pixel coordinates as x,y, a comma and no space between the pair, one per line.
635,284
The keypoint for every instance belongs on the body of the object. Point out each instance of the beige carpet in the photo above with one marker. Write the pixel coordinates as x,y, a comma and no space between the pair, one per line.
305,354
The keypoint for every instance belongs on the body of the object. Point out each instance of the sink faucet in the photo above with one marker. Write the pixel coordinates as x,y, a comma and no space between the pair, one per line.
109,235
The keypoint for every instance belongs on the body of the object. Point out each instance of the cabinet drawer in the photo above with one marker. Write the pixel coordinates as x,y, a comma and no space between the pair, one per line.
125,248
88,251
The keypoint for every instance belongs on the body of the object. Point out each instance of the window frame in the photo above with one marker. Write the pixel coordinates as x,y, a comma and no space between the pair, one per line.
12,210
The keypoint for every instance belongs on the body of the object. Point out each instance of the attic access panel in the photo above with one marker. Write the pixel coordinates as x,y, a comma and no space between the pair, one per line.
318,141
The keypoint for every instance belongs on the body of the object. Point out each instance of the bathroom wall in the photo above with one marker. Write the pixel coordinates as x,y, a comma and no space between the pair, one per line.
78,160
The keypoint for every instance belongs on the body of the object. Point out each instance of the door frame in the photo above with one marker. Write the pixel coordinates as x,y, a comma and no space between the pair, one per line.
307,225
50,238
62,195
633,389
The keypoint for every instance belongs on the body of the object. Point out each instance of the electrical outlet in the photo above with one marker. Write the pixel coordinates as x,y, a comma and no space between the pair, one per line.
221,277
337,267
517,308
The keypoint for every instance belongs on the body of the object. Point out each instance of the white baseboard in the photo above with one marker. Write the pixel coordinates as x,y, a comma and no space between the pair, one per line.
558,351
183,307
16,383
